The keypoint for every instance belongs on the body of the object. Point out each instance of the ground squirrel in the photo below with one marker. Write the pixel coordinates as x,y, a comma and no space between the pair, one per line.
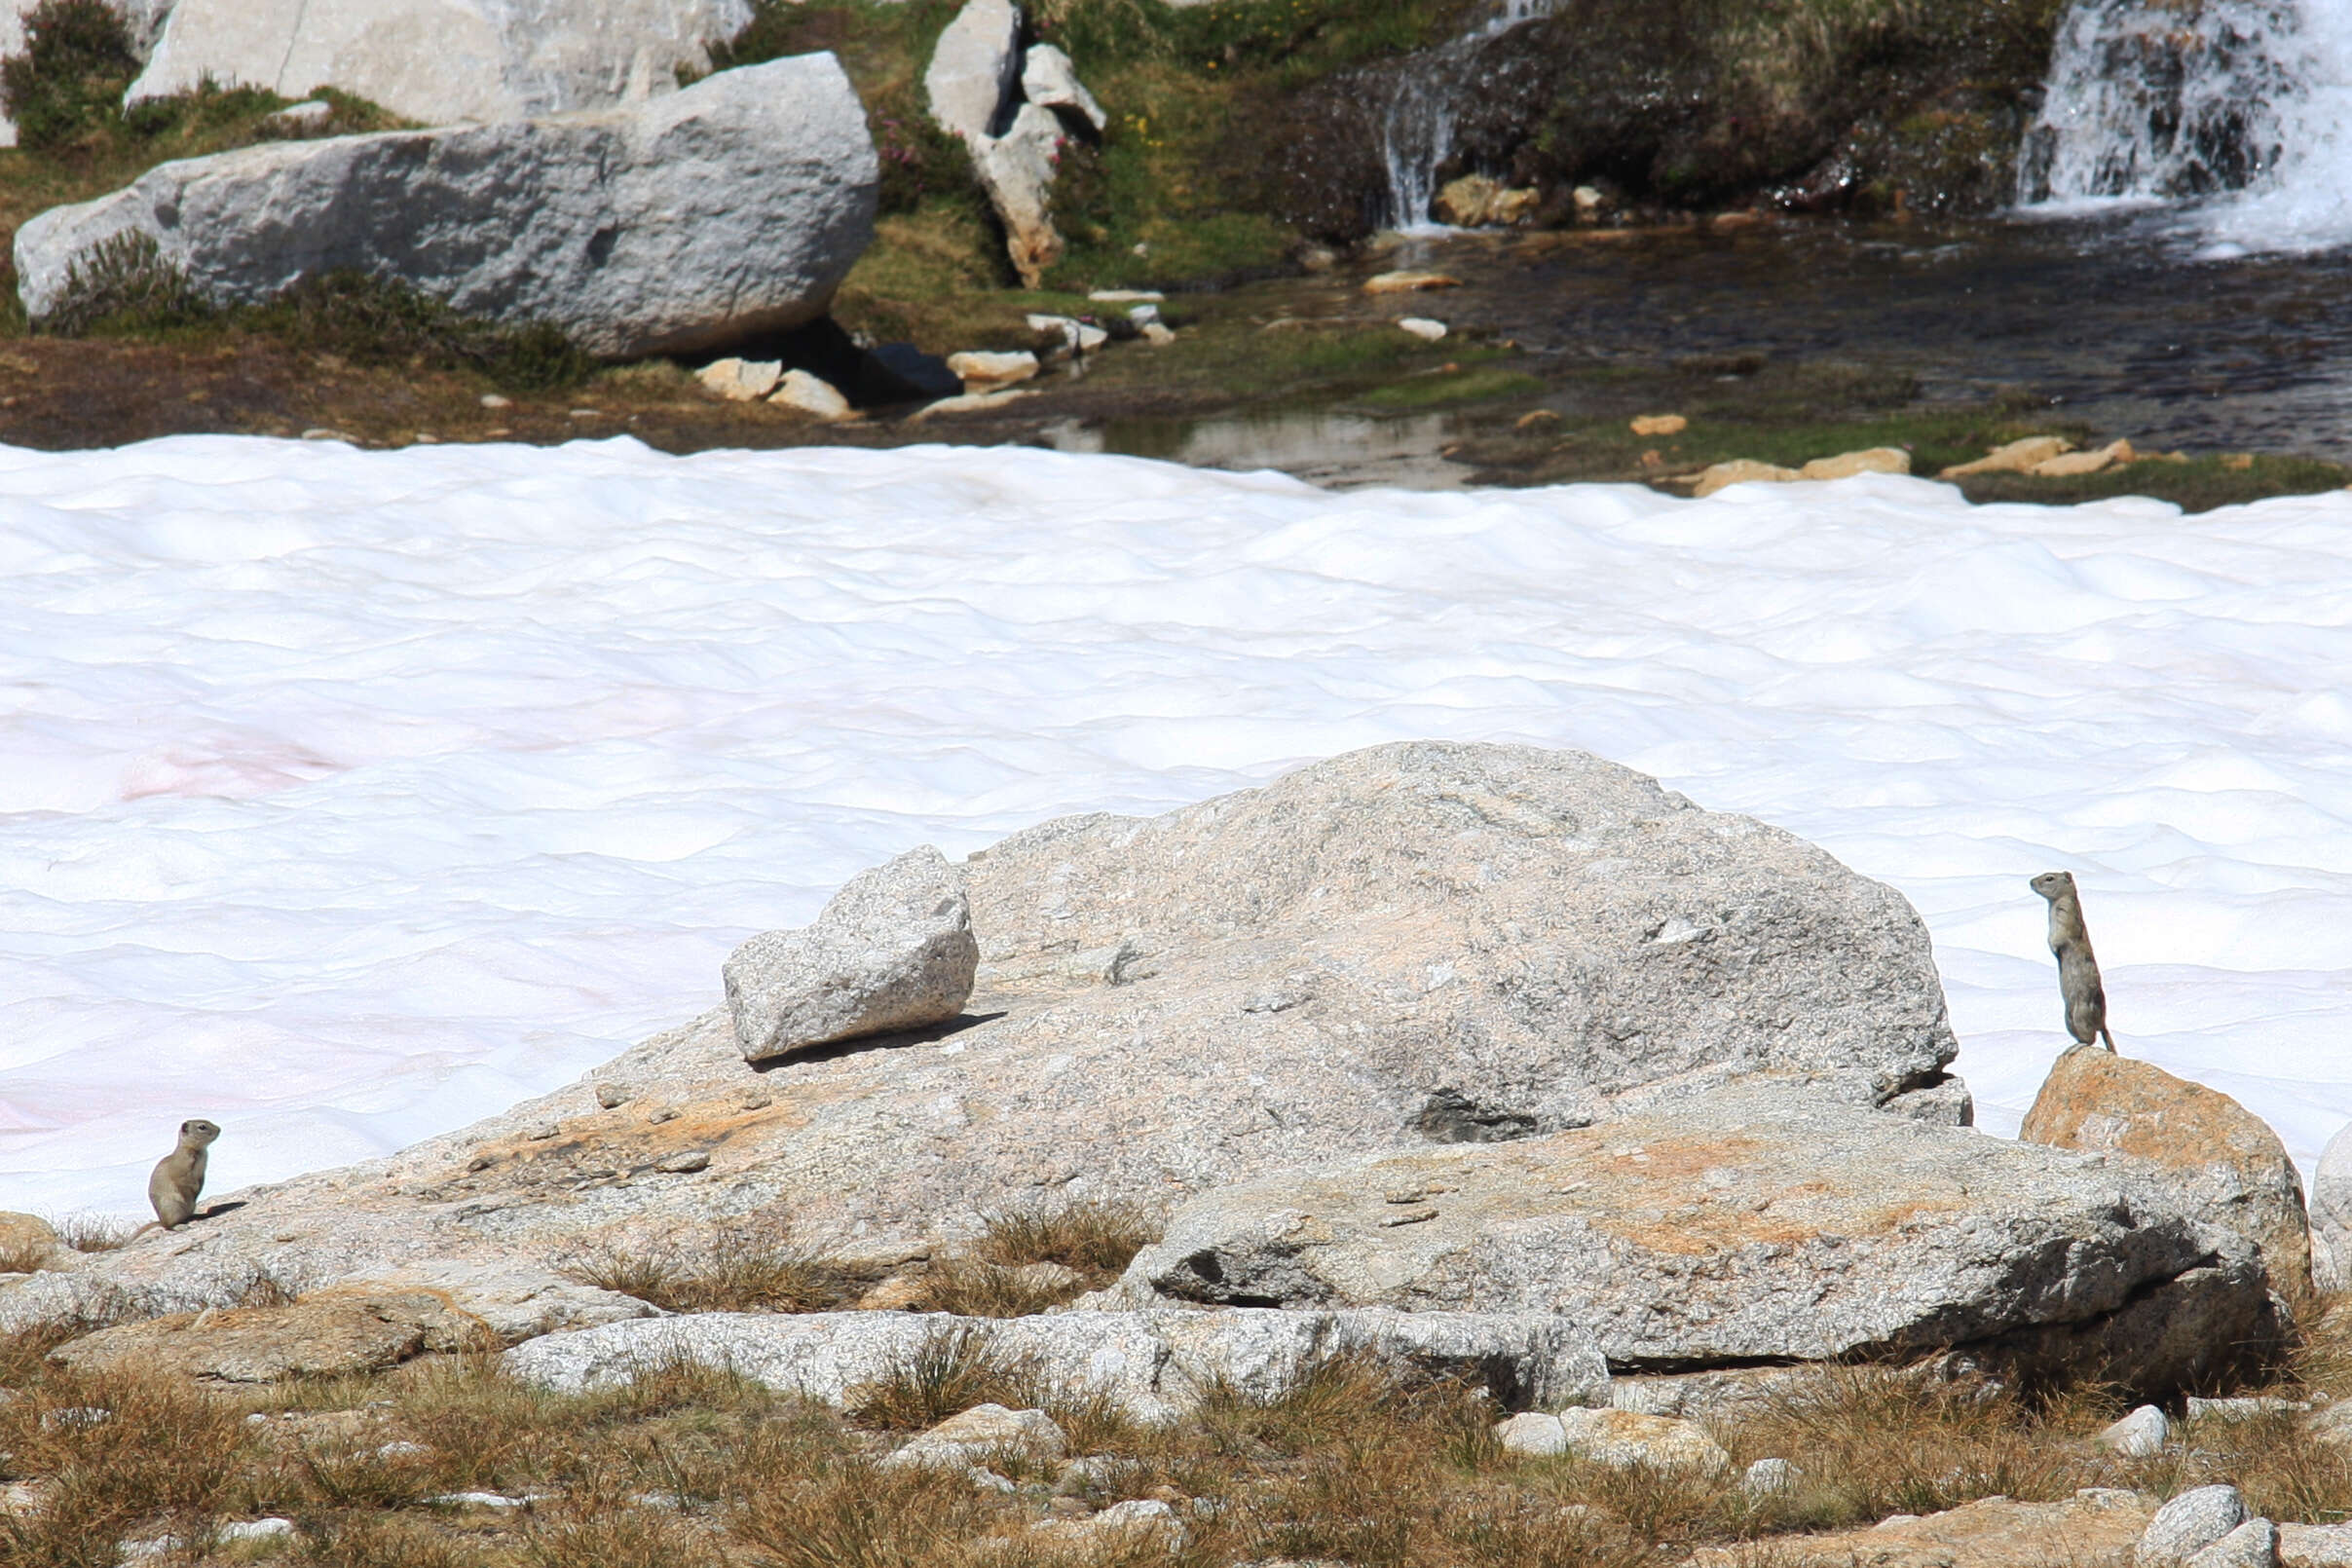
179,1175
2077,968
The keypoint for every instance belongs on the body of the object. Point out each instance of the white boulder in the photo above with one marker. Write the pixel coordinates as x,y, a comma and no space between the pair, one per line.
731,208
975,68
1050,81
892,951
443,61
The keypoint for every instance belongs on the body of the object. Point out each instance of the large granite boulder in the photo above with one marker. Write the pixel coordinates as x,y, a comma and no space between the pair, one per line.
1750,1224
1152,1364
2223,1160
730,209
1418,944
441,62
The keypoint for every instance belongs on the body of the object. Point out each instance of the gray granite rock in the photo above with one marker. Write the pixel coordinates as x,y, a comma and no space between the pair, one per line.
1050,81
2139,1435
2332,1215
892,951
1152,1364
730,209
975,69
2252,1544
1752,1223
1404,948
2315,1546
977,1435
442,61
2188,1524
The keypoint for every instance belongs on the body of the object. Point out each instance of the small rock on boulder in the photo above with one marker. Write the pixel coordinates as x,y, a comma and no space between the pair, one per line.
2225,1160
973,68
1478,202
1049,81
892,951
729,210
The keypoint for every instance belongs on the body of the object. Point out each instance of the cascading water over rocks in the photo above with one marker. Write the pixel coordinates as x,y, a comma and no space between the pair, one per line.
2235,105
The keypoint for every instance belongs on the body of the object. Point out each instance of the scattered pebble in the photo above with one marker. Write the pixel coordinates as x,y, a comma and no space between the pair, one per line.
1421,328
495,400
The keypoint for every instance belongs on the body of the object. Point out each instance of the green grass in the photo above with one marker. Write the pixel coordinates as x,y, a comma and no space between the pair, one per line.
1455,386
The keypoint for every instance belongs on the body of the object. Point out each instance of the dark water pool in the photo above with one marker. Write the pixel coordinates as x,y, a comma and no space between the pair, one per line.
2108,320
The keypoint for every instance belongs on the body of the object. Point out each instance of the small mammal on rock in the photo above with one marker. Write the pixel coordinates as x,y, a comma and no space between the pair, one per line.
179,1175
2077,968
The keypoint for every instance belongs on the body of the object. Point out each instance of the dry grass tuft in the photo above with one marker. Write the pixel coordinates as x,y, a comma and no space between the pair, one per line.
971,1288
94,1233
742,1266
951,1371
124,1450
847,1513
605,1534
1096,1239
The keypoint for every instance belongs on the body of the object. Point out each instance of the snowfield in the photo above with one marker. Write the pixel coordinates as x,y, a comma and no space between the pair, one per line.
346,796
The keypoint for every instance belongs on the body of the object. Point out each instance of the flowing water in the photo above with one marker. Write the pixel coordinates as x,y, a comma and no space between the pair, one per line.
1417,119
2224,122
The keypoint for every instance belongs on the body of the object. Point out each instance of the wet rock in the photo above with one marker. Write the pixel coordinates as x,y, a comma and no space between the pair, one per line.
1152,1364
2139,1435
740,381
2188,1524
1740,471
1846,464
1754,1222
2227,1162
982,372
2074,465
2016,457
327,1336
1409,283
971,404
1477,201
442,61
811,394
706,216
892,951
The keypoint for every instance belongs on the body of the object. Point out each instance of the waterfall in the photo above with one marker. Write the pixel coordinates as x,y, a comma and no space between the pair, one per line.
2231,110
1417,119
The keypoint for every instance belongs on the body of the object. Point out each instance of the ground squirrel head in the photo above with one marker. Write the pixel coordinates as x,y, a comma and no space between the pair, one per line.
2053,884
197,1133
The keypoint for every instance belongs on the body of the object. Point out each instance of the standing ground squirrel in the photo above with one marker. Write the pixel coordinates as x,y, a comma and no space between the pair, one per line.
2077,968
179,1175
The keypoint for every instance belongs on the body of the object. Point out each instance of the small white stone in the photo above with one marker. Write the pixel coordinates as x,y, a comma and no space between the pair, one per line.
2139,1435
1424,328
1766,1476
812,395
741,381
